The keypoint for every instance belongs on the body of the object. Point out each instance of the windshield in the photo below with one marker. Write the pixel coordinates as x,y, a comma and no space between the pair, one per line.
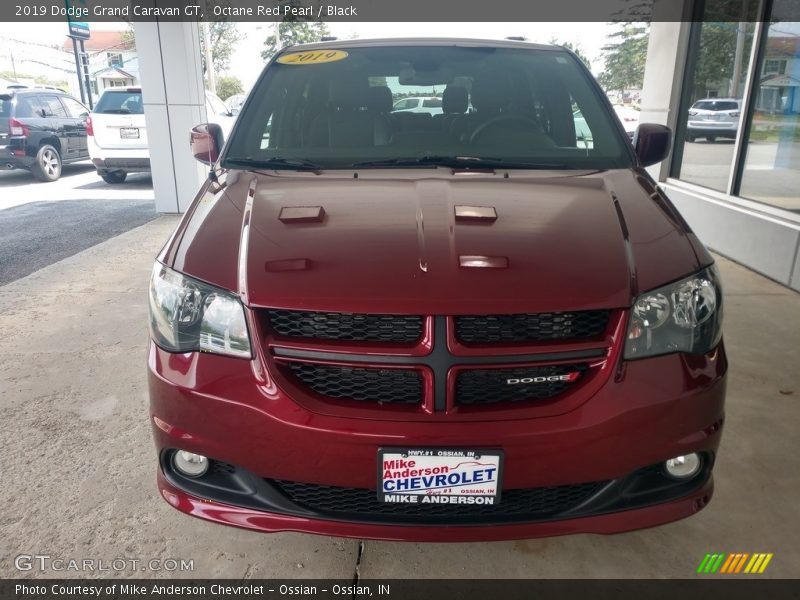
122,102
407,105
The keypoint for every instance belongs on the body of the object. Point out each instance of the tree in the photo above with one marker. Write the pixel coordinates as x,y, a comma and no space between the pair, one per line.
576,48
624,58
228,85
223,35
291,33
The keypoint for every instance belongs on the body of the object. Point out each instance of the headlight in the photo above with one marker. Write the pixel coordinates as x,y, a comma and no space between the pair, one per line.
685,316
187,315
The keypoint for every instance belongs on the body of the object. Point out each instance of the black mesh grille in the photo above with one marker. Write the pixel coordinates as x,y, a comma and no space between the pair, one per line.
361,504
487,329
492,386
346,326
395,386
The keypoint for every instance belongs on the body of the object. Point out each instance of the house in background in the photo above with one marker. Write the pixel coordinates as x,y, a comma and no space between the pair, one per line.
113,61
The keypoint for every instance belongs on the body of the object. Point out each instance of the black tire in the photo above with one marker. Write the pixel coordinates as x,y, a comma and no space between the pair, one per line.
113,177
48,164
690,138
711,138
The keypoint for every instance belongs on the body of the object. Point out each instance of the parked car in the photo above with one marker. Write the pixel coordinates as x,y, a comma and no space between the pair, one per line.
629,117
118,134
427,104
414,335
234,103
713,118
41,130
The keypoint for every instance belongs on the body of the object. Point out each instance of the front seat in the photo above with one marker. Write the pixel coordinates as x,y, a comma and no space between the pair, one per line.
347,121
455,102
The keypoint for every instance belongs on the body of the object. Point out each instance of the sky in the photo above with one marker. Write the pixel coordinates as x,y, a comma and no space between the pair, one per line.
247,63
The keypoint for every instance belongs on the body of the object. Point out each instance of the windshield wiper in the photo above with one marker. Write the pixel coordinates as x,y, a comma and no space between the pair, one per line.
457,162
294,164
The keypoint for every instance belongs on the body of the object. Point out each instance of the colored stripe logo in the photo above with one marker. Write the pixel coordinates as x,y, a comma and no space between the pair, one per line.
736,563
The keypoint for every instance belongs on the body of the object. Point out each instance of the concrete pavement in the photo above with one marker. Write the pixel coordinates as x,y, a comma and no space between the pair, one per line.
78,465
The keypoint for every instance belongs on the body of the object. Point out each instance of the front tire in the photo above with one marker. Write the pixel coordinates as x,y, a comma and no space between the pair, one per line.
711,139
114,177
48,164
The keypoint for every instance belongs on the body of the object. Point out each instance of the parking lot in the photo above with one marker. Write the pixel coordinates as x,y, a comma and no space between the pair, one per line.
78,465
44,222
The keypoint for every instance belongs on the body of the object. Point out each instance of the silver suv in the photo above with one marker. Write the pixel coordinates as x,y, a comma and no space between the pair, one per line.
712,118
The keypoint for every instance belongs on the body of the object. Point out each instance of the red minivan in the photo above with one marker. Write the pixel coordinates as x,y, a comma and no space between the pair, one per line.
484,324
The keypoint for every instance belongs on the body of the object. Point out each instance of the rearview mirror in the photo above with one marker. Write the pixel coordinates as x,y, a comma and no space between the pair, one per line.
206,142
652,143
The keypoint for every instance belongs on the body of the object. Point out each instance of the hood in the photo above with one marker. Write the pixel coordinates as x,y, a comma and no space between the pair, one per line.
434,242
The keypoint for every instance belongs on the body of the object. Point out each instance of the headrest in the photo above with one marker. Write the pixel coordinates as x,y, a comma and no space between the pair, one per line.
379,99
491,92
349,92
454,99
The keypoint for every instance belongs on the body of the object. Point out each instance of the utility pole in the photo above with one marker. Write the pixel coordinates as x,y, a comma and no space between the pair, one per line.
13,64
212,82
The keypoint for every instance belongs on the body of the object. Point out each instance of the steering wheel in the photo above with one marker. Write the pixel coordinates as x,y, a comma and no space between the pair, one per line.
501,119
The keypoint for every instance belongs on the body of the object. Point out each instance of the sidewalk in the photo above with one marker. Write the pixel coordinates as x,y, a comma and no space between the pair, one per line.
78,465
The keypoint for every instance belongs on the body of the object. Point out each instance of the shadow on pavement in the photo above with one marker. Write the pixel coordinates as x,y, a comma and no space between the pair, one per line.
38,234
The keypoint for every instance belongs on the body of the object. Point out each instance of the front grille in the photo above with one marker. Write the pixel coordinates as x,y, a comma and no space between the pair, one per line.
391,386
492,386
490,329
360,504
345,326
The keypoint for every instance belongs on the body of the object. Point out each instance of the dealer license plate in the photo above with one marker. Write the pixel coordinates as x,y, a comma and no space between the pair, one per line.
439,476
129,133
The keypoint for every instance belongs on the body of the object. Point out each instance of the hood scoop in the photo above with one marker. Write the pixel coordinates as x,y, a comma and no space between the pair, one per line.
301,214
475,214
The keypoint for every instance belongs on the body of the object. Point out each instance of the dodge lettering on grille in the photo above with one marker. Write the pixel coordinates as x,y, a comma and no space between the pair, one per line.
544,379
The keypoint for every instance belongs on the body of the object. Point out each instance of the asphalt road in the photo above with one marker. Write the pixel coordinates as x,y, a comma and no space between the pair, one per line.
42,223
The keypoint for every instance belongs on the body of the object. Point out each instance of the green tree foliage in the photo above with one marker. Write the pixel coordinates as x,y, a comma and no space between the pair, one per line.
716,57
291,33
228,85
624,57
576,48
224,36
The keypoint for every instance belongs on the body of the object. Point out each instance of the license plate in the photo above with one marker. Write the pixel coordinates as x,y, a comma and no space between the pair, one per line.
439,476
129,133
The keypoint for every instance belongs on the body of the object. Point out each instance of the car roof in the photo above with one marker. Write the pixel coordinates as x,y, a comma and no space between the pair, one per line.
717,100
421,41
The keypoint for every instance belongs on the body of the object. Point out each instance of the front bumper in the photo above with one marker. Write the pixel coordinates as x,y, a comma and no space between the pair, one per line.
653,410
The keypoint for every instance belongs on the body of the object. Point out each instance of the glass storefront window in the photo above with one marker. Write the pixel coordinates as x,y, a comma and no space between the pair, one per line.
771,172
715,83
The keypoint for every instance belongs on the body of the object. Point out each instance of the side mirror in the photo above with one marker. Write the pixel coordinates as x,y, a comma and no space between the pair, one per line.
652,143
206,142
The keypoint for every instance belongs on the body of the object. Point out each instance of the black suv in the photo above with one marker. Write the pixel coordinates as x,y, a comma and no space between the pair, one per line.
41,129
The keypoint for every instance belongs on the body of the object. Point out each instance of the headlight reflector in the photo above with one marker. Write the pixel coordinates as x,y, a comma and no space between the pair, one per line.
187,315
685,316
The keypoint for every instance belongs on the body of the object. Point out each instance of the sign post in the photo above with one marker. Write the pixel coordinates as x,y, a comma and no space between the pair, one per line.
79,30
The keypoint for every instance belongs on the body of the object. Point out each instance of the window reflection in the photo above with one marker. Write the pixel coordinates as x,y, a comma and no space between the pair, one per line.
772,164
716,78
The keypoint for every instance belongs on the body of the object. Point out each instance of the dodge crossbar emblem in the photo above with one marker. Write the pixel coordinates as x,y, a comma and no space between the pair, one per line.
543,379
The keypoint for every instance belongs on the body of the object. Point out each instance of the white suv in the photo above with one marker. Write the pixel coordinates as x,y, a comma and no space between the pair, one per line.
117,136
712,118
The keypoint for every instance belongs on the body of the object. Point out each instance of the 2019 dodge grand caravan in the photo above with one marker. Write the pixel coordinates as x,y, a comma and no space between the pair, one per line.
473,325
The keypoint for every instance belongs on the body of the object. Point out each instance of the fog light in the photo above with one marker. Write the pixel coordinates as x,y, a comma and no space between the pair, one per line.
189,464
683,467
